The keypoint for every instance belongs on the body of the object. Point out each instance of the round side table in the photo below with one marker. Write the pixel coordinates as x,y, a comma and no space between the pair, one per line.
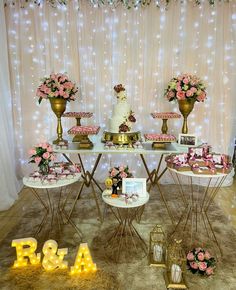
198,203
125,236
49,205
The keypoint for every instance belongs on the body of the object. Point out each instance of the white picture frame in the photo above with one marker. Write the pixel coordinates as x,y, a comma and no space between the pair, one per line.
134,185
188,140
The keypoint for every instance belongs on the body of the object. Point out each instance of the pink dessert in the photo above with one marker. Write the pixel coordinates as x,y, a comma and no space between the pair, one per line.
165,115
84,130
160,137
78,114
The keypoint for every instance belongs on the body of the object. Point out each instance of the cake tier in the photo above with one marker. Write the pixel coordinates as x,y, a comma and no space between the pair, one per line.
121,112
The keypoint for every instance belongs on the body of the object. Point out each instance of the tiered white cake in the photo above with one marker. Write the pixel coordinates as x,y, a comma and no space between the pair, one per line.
122,116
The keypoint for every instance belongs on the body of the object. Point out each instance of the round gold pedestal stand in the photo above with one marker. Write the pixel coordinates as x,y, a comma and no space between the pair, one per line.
121,138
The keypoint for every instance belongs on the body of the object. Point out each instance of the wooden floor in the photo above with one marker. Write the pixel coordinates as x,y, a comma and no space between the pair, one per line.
226,199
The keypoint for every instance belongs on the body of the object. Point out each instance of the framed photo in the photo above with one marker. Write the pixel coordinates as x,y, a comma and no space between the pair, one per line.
187,140
134,185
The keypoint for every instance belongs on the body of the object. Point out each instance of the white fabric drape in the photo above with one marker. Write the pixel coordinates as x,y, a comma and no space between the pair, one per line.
9,186
142,49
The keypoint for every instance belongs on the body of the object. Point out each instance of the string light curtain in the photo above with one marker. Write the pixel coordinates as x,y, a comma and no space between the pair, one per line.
140,48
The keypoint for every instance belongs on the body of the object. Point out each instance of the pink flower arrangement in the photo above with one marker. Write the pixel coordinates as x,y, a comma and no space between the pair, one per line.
57,86
185,86
119,173
42,155
200,261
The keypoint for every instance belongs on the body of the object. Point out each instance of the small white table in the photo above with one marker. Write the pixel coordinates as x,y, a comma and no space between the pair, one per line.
125,234
198,202
49,206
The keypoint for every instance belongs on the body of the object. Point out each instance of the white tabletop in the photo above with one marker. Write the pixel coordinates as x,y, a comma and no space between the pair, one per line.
191,174
59,183
119,202
98,148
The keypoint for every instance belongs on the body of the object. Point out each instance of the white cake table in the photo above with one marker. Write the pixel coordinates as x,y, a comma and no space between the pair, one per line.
125,234
198,202
153,176
49,205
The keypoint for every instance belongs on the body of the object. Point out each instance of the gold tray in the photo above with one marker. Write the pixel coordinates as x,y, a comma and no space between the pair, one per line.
121,138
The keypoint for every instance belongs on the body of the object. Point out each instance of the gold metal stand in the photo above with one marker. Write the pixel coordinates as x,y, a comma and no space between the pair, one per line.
53,211
125,237
154,178
121,138
88,180
196,210
171,285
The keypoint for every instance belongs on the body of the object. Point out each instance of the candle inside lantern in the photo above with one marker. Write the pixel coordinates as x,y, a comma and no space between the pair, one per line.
157,253
176,273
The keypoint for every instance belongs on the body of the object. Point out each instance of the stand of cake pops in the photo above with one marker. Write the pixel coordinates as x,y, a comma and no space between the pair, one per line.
121,138
165,116
78,116
159,141
82,133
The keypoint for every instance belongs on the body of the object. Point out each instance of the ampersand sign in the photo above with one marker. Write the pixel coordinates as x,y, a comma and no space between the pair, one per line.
53,257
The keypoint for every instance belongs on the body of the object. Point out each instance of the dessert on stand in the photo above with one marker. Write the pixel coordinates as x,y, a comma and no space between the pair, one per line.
78,116
159,141
165,116
121,123
84,132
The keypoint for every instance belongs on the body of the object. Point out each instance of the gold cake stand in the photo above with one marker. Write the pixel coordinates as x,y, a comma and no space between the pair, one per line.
121,138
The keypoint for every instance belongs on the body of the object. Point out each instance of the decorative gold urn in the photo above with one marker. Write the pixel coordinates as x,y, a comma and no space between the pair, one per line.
185,108
58,106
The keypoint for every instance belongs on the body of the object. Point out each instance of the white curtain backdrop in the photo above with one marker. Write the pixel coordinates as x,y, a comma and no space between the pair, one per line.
142,49
9,186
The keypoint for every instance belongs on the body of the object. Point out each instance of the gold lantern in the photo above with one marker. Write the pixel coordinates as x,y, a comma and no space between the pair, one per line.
157,247
176,266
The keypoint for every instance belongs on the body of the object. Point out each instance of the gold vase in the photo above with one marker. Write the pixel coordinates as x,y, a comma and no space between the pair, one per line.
185,108
58,106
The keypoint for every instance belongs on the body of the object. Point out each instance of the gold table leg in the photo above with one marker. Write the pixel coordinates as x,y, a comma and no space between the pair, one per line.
88,180
118,241
197,210
154,178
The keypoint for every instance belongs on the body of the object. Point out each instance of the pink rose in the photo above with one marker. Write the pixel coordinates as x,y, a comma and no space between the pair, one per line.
113,172
185,81
190,256
200,256
123,175
180,95
37,159
170,95
32,152
178,88
201,97
49,149
189,93
209,271
202,266
207,255
193,89
121,168
45,145
46,155
194,265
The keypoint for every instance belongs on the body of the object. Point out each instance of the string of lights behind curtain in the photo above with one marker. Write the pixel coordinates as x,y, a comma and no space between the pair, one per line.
128,4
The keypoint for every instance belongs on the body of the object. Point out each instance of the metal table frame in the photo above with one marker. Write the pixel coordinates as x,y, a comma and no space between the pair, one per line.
154,176
196,209
49,206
